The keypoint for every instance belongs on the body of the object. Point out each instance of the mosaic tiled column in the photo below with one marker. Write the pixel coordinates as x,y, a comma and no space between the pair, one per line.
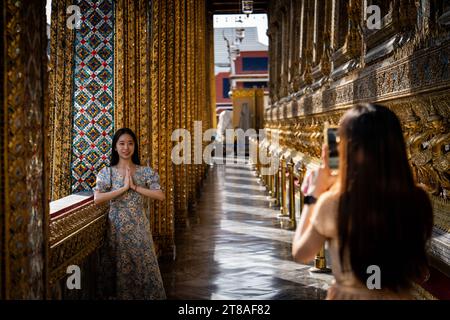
93,113
23,168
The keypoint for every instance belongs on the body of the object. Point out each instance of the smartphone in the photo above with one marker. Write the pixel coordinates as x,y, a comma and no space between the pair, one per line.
332,140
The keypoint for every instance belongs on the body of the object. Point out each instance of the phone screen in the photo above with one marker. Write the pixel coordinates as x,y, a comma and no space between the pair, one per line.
332,141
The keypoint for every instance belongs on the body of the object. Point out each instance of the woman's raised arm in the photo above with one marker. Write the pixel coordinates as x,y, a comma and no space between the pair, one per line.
153,194
101,197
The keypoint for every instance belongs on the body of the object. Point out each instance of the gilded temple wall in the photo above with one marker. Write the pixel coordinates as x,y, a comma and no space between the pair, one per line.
162,71
60,75
157,74
179,80
324,59
23,161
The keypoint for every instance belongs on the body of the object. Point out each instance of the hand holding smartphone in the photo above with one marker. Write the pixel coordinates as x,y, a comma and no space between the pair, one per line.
331,138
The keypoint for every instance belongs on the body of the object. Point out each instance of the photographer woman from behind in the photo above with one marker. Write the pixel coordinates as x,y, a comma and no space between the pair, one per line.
372,215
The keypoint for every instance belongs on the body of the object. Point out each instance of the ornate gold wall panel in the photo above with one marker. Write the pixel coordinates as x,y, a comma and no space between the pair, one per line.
174,89
155,105
179,96
74,236
212,78
412,77
131,72
426,135
168,219
190,91
60,100
23,196
181,204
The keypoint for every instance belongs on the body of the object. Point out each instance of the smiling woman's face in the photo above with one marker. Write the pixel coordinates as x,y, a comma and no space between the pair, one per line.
125,146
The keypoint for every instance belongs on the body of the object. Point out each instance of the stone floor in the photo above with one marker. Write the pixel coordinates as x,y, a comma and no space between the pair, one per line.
234,247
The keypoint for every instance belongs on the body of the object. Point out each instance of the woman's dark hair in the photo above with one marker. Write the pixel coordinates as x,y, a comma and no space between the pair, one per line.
383,218
115,154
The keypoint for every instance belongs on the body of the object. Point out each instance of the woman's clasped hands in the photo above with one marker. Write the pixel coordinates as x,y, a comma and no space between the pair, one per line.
129,183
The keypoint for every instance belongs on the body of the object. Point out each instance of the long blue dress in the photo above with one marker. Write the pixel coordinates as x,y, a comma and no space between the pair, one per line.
128,259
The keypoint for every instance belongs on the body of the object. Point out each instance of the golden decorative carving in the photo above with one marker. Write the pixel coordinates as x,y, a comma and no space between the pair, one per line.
60,102
73,220
441,209
168,218
440,149
131,80
179,116
179,90
421,157
325,60
74,236
23,175
307,75
353,39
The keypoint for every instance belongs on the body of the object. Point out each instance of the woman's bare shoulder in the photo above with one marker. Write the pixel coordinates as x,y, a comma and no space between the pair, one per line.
325,215
330,197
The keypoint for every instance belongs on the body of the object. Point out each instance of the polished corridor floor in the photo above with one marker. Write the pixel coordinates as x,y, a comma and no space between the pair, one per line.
234,247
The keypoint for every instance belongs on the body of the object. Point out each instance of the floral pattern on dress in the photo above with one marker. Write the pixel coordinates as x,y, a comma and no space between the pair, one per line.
129,263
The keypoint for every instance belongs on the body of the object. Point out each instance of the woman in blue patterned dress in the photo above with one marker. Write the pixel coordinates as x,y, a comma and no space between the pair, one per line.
129,263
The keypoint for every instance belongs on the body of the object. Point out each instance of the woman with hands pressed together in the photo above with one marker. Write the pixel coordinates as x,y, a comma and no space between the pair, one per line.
129,263
371,213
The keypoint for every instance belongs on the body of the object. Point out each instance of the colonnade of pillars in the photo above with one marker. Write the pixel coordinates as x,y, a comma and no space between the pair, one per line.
284,190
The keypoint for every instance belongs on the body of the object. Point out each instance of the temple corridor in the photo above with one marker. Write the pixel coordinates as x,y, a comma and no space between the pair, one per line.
234,247
75,73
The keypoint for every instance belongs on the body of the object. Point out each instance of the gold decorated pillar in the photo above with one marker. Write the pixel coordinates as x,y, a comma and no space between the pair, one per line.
212,78
168,216
270,183
60,100
162,121
276,193
283,207
179,96
290,166
180,192
24,148
189,94
131,71
320,263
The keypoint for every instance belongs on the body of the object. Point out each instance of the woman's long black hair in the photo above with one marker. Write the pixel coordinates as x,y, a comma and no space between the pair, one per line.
384,219
115,154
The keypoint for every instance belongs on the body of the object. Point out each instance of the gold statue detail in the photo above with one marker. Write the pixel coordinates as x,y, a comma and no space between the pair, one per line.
440,146
421,156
